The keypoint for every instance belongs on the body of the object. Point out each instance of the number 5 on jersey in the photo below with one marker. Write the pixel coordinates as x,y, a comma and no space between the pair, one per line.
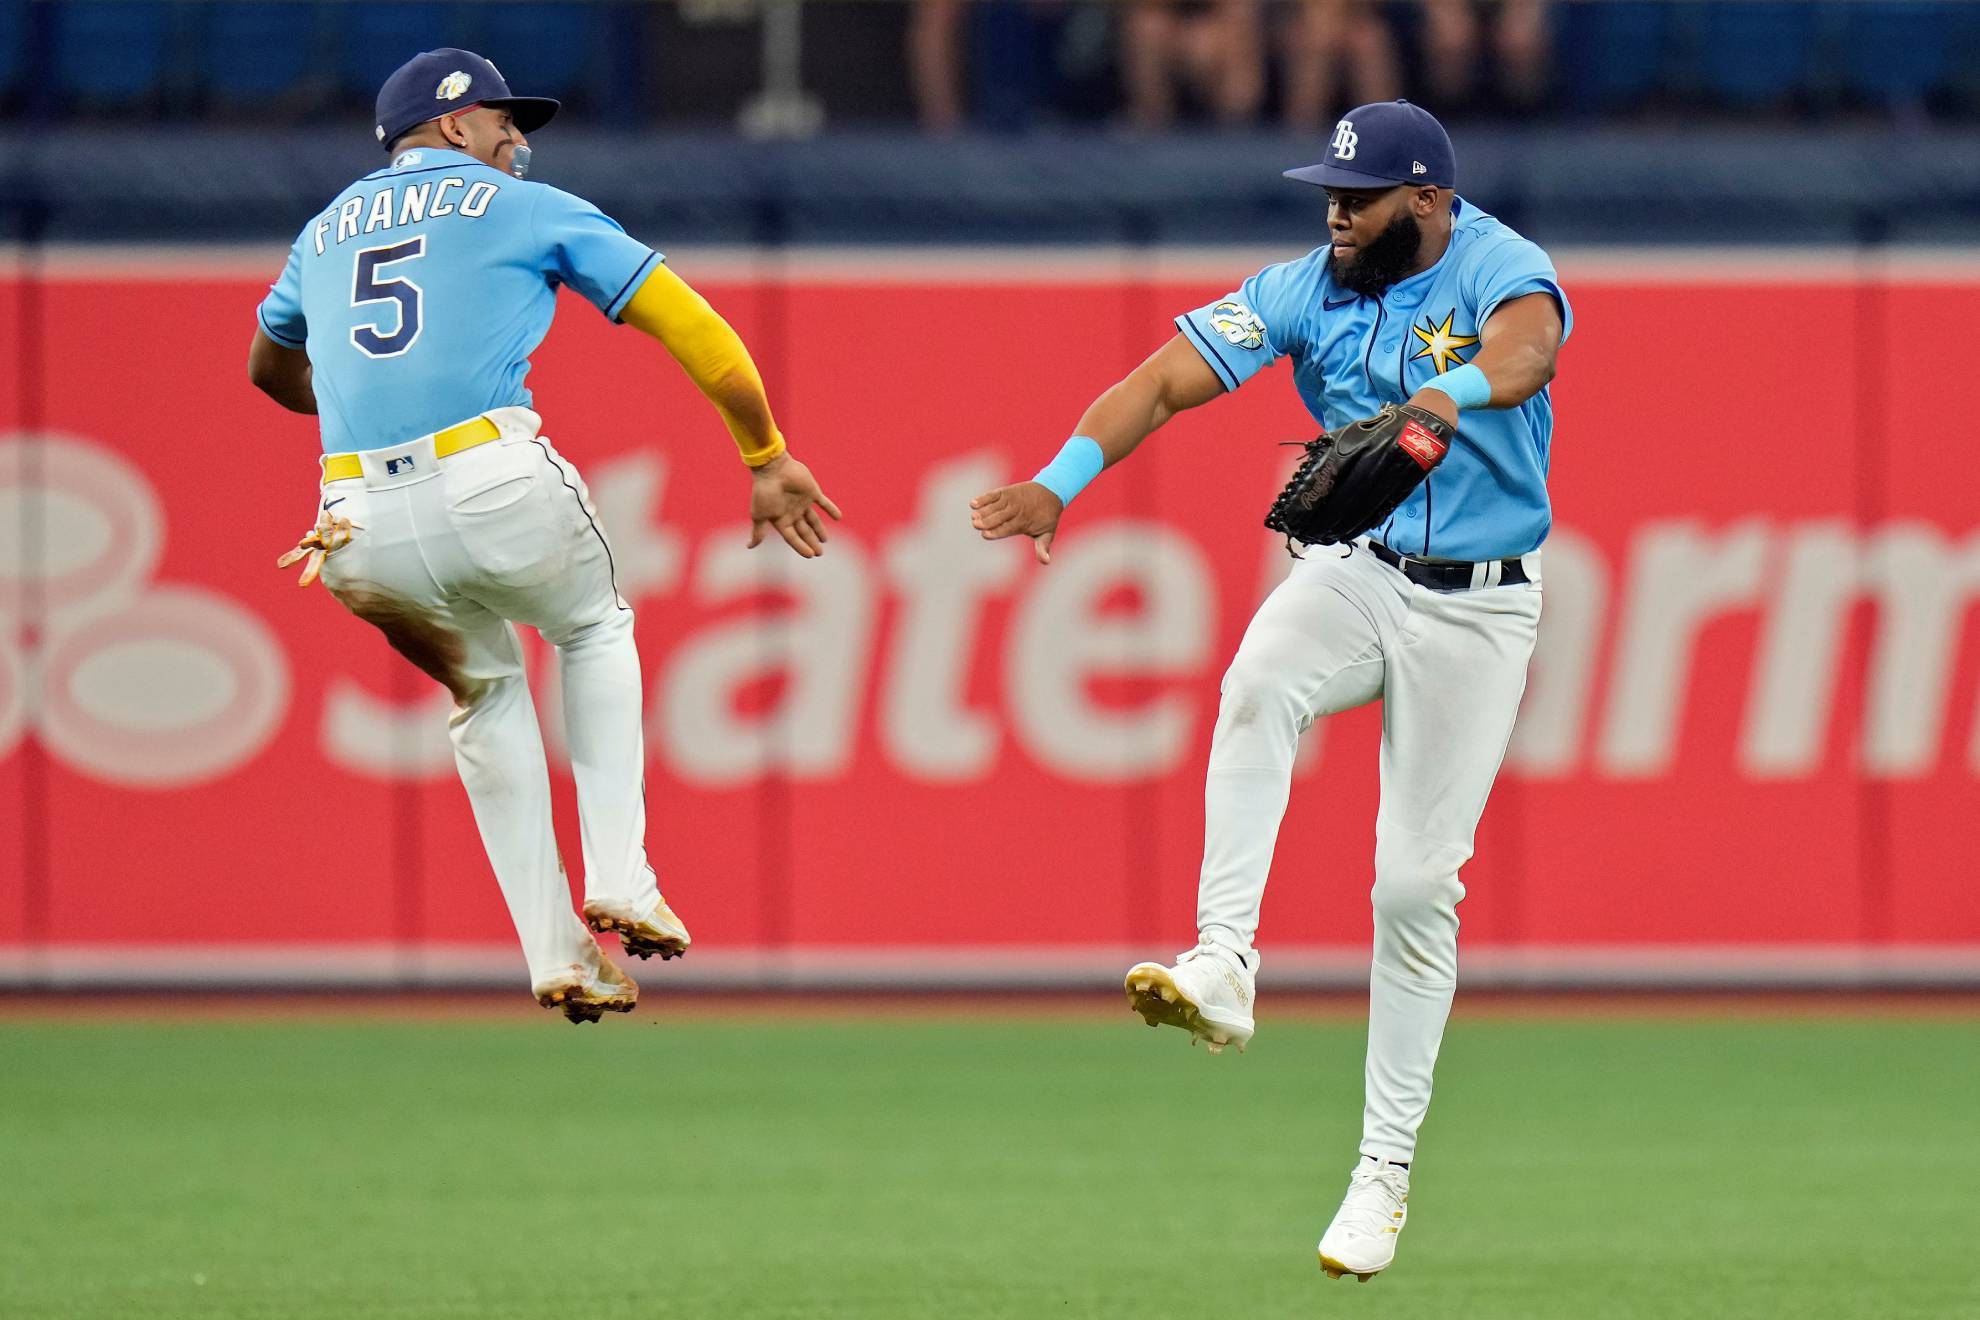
366,287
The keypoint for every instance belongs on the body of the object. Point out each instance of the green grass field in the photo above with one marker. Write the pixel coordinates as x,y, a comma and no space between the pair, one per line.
960,1167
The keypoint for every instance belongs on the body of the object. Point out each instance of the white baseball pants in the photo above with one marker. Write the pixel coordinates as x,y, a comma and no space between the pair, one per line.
448,555
1340,631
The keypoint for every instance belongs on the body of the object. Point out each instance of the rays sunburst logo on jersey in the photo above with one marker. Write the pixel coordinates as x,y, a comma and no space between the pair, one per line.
1238,324
1440,345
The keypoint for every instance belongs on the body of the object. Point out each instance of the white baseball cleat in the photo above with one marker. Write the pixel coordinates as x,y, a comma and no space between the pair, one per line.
1362,1239
658,931
1207,993
586,993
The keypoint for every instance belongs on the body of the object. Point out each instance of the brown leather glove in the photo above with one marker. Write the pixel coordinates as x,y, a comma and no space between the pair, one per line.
1353,478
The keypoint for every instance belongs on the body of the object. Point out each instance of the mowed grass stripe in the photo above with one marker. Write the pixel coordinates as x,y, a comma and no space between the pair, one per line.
966,1168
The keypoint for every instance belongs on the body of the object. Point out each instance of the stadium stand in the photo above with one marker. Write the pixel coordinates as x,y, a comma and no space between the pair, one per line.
110,55
376,36
13,46
1897,53
251,53
548,47
1754,52
1011,66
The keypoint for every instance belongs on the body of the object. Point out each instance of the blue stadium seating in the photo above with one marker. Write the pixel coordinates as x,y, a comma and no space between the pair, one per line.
110,53
543,49
1896,52
1755,52
13,43
1009,83
376,38
1613,54
252,52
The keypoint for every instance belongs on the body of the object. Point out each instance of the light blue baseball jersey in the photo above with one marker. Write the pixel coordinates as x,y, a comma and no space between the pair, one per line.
421,291
1352,354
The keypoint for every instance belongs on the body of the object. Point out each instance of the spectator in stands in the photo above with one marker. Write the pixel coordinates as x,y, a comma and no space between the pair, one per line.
993,64
1452,33
1213,50
935,62
1323,38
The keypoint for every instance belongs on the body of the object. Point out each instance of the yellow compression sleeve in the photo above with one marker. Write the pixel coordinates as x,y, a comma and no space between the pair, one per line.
712,355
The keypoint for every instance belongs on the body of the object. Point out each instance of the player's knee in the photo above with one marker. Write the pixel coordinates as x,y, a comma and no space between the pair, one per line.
1416,879
1255,695
474,694
609,630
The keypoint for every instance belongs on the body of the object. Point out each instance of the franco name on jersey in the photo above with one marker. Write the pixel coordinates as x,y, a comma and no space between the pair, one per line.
405,203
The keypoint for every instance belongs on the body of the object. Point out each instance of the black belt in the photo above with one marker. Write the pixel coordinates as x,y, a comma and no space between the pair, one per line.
1445,575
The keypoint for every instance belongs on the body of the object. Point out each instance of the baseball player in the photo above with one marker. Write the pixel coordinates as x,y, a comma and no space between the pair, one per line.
1421,306
405,319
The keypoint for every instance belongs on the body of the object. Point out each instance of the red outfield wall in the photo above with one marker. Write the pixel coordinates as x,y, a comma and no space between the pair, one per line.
1753,722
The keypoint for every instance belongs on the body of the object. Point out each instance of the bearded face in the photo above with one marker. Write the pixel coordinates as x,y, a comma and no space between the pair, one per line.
1371,267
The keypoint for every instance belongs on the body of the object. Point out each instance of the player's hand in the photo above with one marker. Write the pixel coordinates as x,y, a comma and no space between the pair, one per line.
1026,509
784,497
1438,402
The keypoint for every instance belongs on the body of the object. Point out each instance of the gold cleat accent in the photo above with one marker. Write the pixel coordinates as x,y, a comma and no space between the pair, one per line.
642,937
586,996
1154,994
1335,1270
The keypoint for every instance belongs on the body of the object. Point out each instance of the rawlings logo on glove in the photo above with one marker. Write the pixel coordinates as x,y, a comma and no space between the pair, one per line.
1353,478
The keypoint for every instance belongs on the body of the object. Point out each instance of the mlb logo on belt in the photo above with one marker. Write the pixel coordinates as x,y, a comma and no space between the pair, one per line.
394,466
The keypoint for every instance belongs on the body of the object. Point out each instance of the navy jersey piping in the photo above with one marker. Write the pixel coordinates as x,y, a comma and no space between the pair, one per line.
611,567
1402,384
261,315
1368,354
389,172
617,316
1224,373
1368,369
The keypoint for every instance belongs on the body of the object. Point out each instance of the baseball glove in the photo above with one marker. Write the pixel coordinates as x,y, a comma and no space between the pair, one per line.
331,534
1354,477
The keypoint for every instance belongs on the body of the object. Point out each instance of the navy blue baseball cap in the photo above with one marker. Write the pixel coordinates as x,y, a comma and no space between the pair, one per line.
446,82
1384,144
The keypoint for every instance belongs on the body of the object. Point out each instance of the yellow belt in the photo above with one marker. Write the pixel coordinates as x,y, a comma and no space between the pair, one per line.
479,431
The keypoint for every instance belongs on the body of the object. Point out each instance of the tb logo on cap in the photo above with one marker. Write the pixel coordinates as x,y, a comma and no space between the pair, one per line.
1345,140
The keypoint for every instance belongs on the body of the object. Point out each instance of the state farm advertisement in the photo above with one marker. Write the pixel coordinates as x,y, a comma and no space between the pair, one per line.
1752,721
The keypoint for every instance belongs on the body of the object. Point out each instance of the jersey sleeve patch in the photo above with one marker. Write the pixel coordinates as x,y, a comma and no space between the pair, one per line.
1238,324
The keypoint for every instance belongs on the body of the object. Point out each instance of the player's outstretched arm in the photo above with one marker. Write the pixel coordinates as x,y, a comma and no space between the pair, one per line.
283,374
784,497
1515,360
1174,378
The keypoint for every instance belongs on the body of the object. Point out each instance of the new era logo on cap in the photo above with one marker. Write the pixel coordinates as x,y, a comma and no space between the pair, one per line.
1418,167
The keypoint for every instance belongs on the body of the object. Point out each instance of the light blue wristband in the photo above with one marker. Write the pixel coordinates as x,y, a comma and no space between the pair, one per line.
1078,463
1466,386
